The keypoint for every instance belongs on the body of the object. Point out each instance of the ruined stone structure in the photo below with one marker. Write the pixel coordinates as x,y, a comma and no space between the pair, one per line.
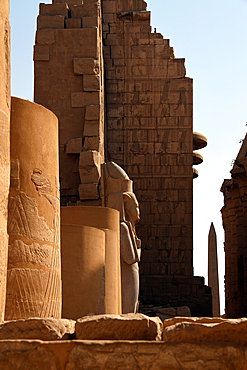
149,134
4,144
34,268
121,95
91,234
69,80
234,215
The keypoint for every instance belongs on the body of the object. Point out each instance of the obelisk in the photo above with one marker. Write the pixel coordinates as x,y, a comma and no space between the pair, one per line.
213,279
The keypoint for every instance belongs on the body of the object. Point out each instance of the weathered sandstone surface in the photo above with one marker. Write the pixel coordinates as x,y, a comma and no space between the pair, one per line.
119,327
201,320
4,144
43,329
206,330
145,355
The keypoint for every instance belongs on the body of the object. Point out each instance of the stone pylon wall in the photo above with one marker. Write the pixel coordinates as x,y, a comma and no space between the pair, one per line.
68,69
4,143
34,266
149,134
234,216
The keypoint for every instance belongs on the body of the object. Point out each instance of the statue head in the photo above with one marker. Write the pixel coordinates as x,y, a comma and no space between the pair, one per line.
131,207
119,193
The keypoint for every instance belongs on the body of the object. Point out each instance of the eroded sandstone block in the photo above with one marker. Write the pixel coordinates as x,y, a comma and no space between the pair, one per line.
119,327
206,330
48,21
73,23
43,329
54,9
41,53
45,36
86,66
32,355
92,143
74,146
92,113
89,191
91,83
88,22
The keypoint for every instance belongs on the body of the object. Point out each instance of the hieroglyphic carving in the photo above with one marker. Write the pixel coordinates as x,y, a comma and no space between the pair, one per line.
30,295
24,219
34,253
44,187
42,184
34,269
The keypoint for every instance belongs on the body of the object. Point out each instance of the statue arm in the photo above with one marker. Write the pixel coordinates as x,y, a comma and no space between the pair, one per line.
130,251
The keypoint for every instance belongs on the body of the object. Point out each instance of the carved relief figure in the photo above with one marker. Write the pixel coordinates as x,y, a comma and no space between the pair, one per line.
119,195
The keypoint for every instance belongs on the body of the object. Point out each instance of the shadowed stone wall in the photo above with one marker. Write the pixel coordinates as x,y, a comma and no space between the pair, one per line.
234,216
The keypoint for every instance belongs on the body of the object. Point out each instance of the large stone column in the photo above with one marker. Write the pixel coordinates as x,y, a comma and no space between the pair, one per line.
4,143
34,269
90,261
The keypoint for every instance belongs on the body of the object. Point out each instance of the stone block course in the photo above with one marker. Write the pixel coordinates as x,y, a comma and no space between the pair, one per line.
91,82
54,9
47,21
73,23
82,99
109,6
85,10
91,128
74,146
92,143
89,22
45,36
89,191
41,53
86,66
92,113
85,355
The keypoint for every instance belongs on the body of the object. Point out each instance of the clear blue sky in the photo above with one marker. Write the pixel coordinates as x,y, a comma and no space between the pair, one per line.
212,37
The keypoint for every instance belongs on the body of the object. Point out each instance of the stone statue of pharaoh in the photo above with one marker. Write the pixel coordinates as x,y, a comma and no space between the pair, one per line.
130,252
119,195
